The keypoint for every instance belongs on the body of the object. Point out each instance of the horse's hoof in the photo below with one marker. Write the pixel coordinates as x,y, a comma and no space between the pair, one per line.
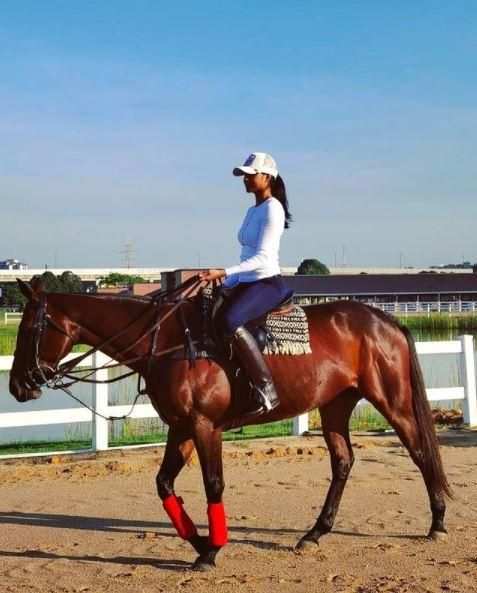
203,565
437,535
306,546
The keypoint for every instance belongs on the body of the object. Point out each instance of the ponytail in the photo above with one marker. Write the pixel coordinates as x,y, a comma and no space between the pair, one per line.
280,193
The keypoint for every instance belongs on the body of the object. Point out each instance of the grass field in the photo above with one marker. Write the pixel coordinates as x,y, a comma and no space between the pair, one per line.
366,419
440,321
8,338
283,428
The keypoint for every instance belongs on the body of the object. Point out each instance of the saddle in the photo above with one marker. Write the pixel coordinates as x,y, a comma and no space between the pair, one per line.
257,327
283,330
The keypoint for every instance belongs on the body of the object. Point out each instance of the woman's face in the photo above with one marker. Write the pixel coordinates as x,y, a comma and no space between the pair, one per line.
258,182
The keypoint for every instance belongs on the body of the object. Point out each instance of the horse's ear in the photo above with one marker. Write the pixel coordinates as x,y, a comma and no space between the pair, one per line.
25,288
37,285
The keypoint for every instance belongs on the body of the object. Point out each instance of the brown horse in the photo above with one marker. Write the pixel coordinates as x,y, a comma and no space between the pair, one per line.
357,352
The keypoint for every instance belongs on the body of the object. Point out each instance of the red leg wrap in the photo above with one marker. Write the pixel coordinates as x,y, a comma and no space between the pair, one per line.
217,524
180,519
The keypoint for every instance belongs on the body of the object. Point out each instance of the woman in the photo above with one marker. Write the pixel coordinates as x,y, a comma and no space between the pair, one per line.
258,285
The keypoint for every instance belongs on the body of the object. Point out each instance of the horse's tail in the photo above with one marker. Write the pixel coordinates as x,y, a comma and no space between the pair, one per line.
432,463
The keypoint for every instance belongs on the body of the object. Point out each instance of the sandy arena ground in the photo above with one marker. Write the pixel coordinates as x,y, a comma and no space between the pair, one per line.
96,525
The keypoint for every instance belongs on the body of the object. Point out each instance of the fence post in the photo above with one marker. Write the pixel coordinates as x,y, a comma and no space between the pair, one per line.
300,424
100,403
467,373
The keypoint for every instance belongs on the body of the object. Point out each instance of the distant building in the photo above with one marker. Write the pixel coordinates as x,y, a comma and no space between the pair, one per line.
13,264
391,292
139,289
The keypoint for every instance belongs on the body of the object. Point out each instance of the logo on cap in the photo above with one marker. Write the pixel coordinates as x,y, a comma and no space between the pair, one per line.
249,161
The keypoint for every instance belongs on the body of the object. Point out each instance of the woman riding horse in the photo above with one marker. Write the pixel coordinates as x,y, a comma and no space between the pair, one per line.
256,283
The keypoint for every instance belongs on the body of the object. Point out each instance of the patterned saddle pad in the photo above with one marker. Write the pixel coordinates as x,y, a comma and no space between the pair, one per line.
286,333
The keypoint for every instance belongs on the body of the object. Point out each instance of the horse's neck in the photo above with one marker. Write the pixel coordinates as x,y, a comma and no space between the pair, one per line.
100,318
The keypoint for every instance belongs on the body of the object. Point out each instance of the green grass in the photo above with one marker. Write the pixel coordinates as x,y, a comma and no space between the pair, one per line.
440,321
368,420
76,444
8,338
364,418
44,446
283,428
262,431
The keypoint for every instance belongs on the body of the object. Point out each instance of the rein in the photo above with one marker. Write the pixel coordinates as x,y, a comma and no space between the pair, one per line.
66,370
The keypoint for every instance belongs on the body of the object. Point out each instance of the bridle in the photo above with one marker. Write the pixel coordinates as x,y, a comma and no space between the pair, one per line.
42,321
67,370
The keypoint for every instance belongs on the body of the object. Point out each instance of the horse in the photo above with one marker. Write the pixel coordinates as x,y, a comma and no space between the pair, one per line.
356,352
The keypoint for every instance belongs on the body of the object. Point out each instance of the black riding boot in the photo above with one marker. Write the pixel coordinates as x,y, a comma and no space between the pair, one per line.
245,346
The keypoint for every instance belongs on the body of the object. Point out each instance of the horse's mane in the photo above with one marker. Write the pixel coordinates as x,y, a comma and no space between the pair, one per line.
115,298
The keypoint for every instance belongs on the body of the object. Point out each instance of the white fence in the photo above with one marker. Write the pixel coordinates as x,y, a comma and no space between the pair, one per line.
426,308
404,308
12,317
463,346
78,414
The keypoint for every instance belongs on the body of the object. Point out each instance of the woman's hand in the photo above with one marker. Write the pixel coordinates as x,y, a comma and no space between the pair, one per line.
212,275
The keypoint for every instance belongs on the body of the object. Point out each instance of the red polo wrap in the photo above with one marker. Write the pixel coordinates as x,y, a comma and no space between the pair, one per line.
173,505
217,524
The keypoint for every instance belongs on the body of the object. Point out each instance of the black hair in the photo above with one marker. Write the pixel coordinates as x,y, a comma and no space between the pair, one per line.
280,193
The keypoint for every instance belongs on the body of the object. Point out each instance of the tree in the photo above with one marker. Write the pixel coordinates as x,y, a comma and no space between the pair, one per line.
71,282
116,279
51,282
312,267
67,282
13,297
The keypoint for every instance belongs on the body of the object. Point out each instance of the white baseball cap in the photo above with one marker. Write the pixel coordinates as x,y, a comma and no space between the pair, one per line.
258,162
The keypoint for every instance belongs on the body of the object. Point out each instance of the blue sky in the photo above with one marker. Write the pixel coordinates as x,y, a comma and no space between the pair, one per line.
121,121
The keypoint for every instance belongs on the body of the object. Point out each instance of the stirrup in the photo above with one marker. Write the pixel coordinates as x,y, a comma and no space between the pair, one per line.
267,402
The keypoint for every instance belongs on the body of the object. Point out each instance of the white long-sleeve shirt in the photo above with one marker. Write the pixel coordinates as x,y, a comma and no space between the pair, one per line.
259,236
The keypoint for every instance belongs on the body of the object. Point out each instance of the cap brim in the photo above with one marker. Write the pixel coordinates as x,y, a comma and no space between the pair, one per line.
238,171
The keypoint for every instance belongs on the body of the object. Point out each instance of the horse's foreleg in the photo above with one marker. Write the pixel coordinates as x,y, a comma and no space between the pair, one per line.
335,417
208,442
178,450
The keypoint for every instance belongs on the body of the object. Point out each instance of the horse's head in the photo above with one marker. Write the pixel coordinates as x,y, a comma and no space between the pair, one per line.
44,337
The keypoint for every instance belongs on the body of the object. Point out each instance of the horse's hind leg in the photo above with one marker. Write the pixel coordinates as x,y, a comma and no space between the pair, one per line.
404,422
178,450
208,442
398,392
335,417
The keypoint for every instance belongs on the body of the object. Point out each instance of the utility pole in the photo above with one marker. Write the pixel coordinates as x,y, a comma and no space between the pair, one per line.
344,257
400,260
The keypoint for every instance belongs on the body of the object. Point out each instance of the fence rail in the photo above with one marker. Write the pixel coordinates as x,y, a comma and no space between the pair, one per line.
12,317
464,346
466,393
426,308
403,308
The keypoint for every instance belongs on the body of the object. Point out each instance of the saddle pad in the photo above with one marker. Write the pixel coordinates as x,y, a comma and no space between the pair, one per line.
288,333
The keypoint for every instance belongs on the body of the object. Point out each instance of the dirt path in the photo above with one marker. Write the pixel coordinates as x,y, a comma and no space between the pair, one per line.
97,525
